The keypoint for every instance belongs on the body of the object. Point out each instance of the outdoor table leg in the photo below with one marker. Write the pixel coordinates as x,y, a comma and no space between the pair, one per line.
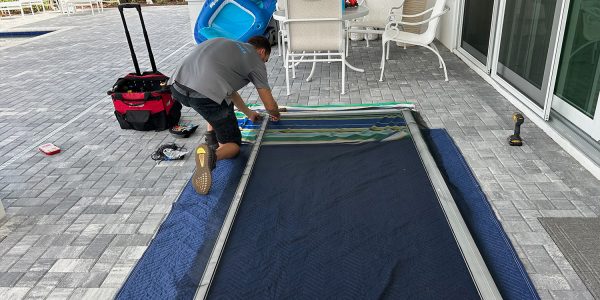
347,25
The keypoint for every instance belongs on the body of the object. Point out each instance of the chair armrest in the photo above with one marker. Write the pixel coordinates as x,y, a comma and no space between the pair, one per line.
432,17
394,8
392,14
416,15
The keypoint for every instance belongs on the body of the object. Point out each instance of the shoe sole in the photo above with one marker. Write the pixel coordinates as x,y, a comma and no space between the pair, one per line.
201,180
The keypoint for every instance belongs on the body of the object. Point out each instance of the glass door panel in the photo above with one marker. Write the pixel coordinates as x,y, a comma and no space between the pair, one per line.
476,28
525,46
577,89
578,81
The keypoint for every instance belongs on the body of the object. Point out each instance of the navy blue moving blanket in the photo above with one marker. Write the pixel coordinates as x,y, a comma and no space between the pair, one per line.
341,221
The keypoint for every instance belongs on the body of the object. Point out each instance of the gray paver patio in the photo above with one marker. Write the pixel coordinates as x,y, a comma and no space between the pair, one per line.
78,222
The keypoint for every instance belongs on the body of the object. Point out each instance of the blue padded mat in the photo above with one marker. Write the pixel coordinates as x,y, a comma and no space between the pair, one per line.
495,247
173,264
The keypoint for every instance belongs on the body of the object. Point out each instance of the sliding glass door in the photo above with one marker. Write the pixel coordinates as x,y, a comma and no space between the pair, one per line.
546,53
578,81
476,29
527,43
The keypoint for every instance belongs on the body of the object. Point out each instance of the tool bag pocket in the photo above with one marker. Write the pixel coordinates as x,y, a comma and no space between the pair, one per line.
135,119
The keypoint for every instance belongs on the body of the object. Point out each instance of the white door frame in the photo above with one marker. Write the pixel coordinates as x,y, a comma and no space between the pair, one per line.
589,125
488,66
523,103
551,102
555,42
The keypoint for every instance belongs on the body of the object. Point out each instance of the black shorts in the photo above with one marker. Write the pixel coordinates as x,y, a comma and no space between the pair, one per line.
220,116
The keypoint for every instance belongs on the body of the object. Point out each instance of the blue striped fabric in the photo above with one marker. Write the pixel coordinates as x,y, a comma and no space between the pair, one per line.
299,123
329,129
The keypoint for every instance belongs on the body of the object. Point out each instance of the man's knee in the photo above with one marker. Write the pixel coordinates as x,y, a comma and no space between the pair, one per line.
235,147
227,150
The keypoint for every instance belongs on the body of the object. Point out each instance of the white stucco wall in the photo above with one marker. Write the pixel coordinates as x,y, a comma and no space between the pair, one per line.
194,8
447,29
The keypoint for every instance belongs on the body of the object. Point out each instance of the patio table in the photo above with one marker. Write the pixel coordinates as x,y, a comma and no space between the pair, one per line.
350,13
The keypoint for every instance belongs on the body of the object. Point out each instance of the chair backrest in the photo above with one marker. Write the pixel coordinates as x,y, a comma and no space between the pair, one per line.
316,34
379,11
438,8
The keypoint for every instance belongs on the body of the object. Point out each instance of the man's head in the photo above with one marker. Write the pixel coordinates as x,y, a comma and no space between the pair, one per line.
262,45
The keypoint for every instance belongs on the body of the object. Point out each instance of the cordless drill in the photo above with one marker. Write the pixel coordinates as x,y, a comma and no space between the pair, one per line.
515,139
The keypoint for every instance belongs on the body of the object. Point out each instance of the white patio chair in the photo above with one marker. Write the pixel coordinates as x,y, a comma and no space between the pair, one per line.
393,33
314,28
70,6
378,17
31,3
6,7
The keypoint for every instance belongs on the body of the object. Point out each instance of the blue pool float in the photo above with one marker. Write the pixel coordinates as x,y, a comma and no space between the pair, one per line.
233,19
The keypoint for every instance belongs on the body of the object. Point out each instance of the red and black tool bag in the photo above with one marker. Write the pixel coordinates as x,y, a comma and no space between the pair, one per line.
143,100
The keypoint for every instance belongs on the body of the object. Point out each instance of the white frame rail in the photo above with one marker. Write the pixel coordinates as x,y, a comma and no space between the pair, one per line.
479,272
215,256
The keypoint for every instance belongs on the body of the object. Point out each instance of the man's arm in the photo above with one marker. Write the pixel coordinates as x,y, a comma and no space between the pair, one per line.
270,105
239,103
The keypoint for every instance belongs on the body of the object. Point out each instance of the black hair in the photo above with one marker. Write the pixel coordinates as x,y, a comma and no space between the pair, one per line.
260,42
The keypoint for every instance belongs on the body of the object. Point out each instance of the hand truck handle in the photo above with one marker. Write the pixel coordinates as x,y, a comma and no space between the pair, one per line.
133,56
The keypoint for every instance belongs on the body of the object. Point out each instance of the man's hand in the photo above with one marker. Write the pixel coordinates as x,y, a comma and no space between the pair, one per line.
275,115
270,105
254,117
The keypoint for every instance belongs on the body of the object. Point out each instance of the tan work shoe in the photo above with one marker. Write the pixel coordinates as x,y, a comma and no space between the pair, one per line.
205,163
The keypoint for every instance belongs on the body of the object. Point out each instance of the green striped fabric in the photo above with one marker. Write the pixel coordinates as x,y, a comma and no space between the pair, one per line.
339,128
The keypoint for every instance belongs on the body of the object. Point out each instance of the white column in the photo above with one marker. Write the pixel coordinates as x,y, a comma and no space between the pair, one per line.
194,8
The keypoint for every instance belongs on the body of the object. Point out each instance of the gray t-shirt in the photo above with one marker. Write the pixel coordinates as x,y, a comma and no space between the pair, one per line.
218,67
